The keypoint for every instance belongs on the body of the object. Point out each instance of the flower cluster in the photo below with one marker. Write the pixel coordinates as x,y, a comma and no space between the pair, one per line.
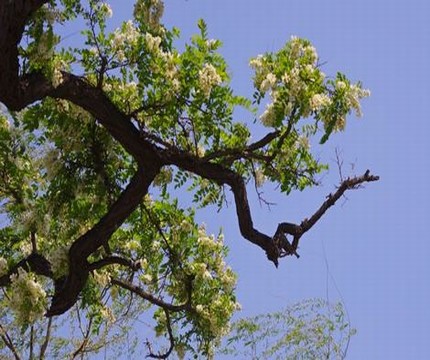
319,101
59,259
105,9
102,277
296,85
27,299
268,117
152,42
260,178
3,266
354,95
149,12
164,177
208,78
268,83
122,38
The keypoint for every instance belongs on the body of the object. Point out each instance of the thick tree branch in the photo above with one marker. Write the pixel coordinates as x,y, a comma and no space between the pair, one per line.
34,262
67,294
13,17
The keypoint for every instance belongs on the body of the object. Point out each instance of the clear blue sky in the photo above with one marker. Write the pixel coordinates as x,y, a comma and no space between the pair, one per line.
372,249
376,243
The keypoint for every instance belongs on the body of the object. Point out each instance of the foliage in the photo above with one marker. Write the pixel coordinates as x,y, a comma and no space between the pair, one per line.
87,130
311,329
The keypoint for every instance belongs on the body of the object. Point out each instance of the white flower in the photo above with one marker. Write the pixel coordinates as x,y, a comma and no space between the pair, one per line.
319,101
120,55
146,279
257,62
130,32
105,9
3,266
354,95
340,85
176,85
303,142
153,42
211,43
27,299
102,278
268,117
260,178
57,78
107,313
143,263
200,150
208,78
164,177
59,259
268,83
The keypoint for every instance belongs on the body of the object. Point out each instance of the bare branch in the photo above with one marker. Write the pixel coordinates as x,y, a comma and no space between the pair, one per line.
298,230
66,295
44,346
171,340
8,342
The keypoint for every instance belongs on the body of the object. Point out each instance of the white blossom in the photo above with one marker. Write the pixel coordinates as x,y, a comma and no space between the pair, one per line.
153,42
27,299
340,85
268,83
260,178
3,266
146,278
354,95
319,101
257,62
59,259
268,117
200,150
105,9
208,78
107,313
57,77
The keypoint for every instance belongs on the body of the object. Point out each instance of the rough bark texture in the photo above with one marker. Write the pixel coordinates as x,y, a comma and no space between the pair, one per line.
17,92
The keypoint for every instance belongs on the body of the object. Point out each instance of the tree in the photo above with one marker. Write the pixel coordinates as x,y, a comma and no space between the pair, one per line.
311,329
86,131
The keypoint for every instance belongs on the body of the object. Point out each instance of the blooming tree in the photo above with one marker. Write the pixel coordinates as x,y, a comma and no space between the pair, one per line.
86,135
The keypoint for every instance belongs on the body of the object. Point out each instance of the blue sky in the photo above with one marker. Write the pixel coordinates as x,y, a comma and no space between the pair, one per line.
374,244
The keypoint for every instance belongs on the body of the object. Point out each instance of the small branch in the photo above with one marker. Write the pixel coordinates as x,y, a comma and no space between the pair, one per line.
8,342
84,342
113,260
241,152
171,339
348,184
44,346
298,230
152,299
30,355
